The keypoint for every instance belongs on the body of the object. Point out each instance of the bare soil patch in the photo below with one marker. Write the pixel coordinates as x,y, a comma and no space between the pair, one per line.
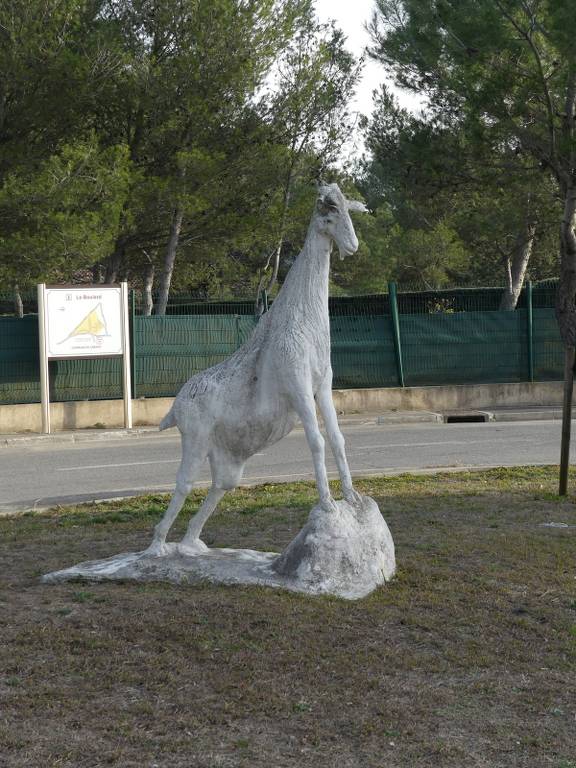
468,658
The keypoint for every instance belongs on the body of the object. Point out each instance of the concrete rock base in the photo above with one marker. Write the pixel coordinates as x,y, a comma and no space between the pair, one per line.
347,553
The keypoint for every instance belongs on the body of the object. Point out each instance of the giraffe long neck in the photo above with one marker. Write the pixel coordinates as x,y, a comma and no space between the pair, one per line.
304,294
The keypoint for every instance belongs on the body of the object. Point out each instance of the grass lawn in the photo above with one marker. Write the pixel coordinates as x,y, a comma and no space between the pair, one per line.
466,659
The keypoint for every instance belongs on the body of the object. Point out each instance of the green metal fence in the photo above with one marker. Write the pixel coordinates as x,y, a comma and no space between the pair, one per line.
464,347
19,366
168,350
69,379
405,338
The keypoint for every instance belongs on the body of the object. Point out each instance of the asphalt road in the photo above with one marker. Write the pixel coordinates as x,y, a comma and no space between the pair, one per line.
41,475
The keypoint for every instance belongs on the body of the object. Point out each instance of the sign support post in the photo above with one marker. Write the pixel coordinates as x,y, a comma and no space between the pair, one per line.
126,382
44,377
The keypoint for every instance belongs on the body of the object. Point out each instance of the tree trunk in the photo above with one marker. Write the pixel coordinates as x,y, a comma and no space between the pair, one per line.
169,259
115,261
516,266
565,304
283,221
18,305
259,307
148,284
566,420
97,272
566,314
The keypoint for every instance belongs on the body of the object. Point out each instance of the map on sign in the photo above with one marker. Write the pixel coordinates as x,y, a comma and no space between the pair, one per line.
94,324
84,321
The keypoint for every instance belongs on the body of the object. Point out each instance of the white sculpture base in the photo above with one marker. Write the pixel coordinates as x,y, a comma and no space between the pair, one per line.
347,553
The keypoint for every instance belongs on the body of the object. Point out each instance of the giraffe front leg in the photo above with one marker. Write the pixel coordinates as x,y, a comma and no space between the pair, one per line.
303,403
192,544
226,475
190,464
336,439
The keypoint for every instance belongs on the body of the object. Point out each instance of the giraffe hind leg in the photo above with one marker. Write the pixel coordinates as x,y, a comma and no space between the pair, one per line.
226,474
190,465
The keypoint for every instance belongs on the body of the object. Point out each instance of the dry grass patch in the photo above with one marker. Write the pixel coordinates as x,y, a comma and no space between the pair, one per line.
466,659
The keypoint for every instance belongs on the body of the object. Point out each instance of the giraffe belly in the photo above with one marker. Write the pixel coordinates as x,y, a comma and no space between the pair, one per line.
243,438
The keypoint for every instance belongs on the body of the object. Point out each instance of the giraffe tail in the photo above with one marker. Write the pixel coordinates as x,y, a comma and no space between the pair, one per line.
168,421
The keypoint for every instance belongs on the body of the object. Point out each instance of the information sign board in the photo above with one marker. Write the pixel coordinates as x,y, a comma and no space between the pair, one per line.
83,322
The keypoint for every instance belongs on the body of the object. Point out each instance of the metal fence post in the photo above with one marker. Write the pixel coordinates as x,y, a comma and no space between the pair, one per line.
393,298
238,336
530,319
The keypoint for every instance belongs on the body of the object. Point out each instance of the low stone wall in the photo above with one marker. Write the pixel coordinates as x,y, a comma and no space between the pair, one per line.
448,398
109,413
83,414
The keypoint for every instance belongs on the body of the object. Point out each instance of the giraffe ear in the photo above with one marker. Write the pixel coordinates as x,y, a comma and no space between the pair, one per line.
356,205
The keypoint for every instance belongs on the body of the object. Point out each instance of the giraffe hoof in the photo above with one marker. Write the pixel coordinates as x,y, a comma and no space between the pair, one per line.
353,498
329,505
157,549
192,547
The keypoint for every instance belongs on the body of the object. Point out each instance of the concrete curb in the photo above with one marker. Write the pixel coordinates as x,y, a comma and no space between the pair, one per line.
409,417
553,414
87,435
76,436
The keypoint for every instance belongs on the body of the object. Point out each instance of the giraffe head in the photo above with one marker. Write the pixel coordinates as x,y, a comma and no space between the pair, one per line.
332,218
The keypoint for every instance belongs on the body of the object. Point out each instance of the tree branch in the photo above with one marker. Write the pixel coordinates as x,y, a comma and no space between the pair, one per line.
527,36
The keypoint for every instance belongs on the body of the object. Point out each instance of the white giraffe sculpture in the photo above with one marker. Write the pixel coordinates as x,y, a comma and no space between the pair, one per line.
254,398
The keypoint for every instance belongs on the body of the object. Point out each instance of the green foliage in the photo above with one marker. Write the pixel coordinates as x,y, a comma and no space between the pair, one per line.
495,147
213,144
57,215
458,201
116,118
37,65
435,256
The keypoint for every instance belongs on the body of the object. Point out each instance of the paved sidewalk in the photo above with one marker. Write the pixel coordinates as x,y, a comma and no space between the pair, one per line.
501,414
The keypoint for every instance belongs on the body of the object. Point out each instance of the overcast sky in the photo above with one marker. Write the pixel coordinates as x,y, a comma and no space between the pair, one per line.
351,16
